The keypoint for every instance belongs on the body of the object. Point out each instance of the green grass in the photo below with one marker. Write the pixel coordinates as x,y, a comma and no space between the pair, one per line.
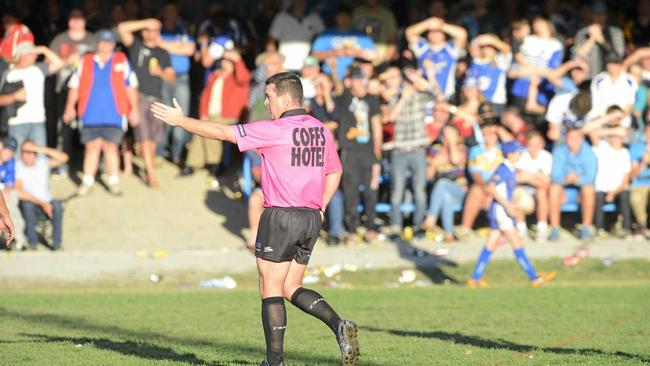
592,315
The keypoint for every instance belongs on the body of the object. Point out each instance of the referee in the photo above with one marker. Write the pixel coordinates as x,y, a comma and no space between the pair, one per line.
300,172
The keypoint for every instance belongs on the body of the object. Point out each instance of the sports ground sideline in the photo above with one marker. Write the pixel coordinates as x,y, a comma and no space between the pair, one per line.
185,226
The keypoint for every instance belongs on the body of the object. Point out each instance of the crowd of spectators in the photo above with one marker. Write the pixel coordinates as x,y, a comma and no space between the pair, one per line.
418,94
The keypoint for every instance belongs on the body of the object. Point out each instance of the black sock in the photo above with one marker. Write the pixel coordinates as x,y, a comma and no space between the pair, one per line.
312,303
274,321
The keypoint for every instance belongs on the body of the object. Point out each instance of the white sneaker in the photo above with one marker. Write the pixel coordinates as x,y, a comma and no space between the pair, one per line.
84,190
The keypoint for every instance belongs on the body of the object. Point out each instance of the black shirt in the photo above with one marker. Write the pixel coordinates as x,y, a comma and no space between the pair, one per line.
354,118
141,57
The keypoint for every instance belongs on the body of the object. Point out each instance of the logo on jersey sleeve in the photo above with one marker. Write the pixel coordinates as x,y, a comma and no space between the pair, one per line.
309,147
242,130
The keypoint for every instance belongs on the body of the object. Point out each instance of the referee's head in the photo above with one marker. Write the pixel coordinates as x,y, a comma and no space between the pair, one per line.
283,93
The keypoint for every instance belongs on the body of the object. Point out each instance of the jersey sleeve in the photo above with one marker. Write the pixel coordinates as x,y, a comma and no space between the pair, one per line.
332,161
257,135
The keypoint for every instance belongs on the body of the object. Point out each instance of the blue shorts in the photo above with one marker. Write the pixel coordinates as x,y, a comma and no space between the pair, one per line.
499,219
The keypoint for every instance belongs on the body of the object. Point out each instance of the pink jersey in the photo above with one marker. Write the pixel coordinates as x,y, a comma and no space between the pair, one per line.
297,152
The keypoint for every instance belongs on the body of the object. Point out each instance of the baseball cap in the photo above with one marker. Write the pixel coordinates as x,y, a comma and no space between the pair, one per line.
24,48
311,61
10,143
599,6
106,35
357,73
511,147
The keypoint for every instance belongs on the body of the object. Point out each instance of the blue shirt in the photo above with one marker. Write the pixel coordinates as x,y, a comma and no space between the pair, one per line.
584,164
101,109
505,180
637,150
444,61
180,63
333,39
543,53
8,173
491,77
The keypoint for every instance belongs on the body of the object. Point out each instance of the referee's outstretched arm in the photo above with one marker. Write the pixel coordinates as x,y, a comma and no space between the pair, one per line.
174,116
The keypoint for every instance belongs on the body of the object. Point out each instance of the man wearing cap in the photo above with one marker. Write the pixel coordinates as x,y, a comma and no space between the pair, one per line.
29,121
501,216
598,39
153,67
300,173
359,136
102,95
10,195
70,45
15,33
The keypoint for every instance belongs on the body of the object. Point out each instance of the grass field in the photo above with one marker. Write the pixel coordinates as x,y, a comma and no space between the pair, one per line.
592,315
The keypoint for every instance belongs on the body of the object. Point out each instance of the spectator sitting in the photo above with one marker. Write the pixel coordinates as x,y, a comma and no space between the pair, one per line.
613,176
534,173
614,87
436,56
574,165
447,168
10,195
294,29
640,175
29,121
104,90
33,185
491,59
539,53
483,161
343,43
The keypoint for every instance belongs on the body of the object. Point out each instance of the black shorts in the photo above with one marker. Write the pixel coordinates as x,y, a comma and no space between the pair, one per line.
286,234
111,134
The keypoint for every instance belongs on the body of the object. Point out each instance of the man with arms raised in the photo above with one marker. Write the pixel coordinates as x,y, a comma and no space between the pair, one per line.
300,172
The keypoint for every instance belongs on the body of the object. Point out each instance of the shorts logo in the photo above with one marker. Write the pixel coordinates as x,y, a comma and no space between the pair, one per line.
242,130
258,246
268,249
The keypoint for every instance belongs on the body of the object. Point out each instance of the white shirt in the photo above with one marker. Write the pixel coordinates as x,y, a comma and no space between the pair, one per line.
559,111
294,36
539,51
612,166
542,164
33,78
606,92
36,178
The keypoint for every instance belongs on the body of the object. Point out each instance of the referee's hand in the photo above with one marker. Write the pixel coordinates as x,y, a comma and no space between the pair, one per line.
172,116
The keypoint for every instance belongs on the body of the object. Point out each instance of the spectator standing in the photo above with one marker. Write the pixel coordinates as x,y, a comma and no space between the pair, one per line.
29,121
378,22
294,29
223,101
70,45
153,67
344,43
599,39
409,148
177,41
359,137
437,57
15,33
637,31
574,165
104,92
491,59
33,185
613,176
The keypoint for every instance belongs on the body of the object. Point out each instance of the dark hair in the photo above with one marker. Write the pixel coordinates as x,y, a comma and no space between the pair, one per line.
287,83
25,143
613,108
581,103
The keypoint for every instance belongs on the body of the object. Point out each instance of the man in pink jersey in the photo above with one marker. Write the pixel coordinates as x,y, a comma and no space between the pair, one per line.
300,172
